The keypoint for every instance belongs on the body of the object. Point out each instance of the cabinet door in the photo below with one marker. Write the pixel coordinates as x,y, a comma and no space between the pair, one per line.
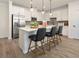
64,15
27,15
53,21
58,15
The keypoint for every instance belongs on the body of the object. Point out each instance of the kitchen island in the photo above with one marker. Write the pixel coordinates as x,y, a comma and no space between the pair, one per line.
24,40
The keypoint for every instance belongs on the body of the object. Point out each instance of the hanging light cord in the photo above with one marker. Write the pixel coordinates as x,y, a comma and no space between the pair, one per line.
31,4
50,6
42,5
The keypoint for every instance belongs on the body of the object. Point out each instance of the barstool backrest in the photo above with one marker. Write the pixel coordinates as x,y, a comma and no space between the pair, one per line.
60,29
53,31
40,34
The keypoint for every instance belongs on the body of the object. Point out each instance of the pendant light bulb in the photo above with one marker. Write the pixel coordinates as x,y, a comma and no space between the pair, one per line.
50,9
43,12
32,9
50,14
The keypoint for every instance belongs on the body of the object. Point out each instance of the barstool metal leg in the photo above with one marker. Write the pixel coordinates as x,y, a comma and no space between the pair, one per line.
60,38
48,43
54,41
35,45
56,37
42,46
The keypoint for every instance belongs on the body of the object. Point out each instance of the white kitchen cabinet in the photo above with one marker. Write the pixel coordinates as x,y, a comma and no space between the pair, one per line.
27,15
61,14
64,14
65,30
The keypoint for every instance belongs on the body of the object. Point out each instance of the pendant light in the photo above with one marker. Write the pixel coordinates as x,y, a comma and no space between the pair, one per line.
50,9
31,9
43,7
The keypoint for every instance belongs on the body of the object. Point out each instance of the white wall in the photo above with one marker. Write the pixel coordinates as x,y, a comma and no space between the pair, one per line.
74,19
10,19
4,20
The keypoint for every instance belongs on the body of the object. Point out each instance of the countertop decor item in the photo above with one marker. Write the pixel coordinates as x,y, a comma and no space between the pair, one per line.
34,24
45,23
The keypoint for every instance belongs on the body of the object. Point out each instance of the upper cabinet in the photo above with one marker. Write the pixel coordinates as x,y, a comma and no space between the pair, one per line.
37,15
64,14
27,13
57,14
18,10
61,14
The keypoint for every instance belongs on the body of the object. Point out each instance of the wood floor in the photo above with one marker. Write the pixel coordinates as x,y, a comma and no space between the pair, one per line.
69,48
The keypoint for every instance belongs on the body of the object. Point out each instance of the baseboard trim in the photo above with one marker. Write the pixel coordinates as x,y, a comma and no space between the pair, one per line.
4,38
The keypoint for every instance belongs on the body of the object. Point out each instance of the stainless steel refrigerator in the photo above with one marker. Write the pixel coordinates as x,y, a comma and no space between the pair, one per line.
17,21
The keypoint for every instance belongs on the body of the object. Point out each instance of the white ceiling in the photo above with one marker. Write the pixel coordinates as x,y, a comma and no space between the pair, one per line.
38,3
4,1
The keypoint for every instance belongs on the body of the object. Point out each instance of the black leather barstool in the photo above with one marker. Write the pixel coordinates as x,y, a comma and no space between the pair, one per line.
38,37
59,33
50,35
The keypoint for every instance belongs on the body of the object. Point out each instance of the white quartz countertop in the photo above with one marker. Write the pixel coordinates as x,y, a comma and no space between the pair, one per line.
29,29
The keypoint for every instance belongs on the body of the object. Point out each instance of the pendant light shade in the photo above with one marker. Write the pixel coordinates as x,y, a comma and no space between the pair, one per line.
50,14
31,9
43,7
50,9
43,12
